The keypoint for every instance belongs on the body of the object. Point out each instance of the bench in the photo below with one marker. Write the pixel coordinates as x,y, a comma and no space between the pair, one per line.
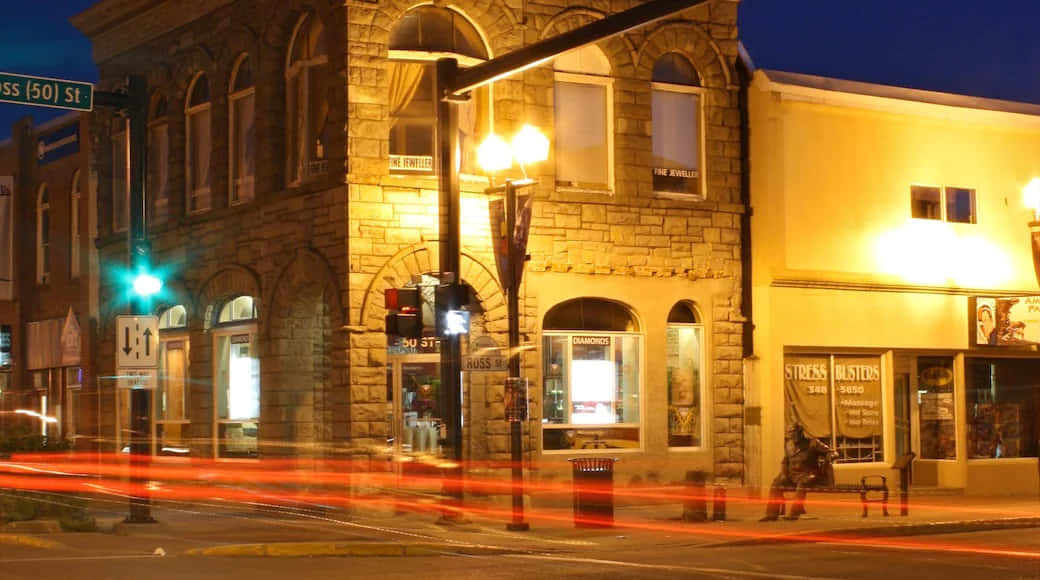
868,485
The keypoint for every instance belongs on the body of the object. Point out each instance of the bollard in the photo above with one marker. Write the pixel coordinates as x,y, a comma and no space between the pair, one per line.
695,506
718,507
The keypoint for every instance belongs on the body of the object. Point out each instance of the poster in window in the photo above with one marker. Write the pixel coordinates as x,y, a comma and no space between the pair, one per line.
857,392
807,389
1006,321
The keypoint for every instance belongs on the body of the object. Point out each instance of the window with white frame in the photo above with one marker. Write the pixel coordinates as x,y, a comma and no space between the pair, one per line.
43,235
242,136
237,386
198,124
676,127
592,376
307,105
424,34
684,365
120,176
171,419
75,240
158,158
949,204
584,111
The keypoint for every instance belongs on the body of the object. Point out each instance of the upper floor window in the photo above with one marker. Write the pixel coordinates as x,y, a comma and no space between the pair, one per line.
422,35
684,362
584,112
43,235
950,204
158,158
677,135
242,136
75,240
197,114
120,176
307,104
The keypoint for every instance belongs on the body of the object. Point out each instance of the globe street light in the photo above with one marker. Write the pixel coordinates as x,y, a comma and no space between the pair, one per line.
528,146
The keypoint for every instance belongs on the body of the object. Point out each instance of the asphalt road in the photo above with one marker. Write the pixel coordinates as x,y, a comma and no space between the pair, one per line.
988,555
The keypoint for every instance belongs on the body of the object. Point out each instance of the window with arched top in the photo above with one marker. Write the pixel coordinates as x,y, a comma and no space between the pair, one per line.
242,127
684,367
236,372
159,158
677,127
424,34
75,231
583,101
307,105
592,376
171,418
198,121
43,235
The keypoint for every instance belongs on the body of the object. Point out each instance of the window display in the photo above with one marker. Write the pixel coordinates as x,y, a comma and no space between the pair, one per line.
1001,405
684,385
936,408
591,381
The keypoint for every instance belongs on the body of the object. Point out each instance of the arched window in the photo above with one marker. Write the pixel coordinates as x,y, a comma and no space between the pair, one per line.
424,34
584,120
677,128
198,122
236,370
591,353
307,105
171,418
684,361
242,138
43,235
159,158
75,239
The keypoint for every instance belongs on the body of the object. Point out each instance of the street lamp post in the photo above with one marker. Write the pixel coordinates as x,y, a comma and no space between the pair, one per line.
1031,196
529,146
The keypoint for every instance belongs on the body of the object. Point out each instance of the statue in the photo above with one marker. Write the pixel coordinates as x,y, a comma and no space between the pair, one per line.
806,463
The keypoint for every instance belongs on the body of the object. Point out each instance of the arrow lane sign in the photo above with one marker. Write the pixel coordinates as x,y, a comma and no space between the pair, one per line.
126,340
147,342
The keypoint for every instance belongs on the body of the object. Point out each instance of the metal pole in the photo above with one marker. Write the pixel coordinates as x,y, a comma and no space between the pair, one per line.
139,255
515,425
450,257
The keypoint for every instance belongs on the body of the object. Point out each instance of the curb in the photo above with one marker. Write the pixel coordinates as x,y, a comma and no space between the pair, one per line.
899,530
312,549
7,538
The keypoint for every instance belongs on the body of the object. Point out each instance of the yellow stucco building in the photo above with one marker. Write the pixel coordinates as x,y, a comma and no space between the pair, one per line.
892,275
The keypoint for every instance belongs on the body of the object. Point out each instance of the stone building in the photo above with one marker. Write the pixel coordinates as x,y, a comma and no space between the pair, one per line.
291,182
48,280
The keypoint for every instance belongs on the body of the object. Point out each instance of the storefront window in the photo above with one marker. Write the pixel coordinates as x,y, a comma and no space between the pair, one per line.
837,399
237,388
1003,399
684,362
171,420
592,377
936,407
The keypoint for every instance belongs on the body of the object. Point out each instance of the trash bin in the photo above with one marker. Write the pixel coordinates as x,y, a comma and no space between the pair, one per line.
593,491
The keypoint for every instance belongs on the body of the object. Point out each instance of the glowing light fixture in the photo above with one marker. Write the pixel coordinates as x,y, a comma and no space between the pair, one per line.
530,146
494,155
1031,197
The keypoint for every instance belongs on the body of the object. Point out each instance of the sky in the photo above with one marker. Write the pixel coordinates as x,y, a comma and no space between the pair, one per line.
986,48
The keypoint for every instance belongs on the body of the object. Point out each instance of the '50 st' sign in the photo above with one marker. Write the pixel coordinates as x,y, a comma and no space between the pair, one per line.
57,93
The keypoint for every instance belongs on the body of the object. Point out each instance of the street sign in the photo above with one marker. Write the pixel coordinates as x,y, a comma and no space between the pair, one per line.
484,363
137,379
137,342
46,92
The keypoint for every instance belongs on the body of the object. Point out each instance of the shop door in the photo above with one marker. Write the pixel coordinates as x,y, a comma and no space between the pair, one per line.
417,422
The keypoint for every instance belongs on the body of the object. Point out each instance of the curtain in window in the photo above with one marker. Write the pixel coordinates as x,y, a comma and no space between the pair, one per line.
200,150
581,134
675,130
245,148
405,78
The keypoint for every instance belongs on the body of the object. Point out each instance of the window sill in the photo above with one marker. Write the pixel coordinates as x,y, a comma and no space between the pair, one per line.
572,189
691,197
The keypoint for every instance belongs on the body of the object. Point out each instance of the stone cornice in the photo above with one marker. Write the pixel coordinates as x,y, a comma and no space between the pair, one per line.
117,26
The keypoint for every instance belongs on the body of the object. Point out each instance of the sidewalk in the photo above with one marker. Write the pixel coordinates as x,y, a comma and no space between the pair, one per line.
236,530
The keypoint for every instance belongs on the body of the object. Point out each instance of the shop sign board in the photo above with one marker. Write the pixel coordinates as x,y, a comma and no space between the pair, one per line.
1006,321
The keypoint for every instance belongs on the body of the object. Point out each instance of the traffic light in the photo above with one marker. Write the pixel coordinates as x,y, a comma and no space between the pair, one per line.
449,302
146,281
404,312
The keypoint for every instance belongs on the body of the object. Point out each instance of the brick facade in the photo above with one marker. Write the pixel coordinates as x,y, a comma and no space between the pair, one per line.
319,255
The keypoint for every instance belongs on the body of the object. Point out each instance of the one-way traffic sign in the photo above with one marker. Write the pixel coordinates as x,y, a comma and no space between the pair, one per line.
137,342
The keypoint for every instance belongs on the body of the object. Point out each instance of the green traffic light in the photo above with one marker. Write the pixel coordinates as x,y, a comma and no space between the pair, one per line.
146,284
